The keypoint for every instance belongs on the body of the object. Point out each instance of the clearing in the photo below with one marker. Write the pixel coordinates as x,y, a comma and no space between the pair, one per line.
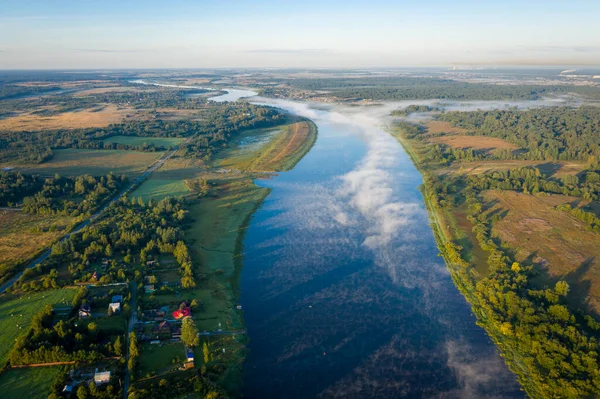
170,179
551,239
23,236
437,127
99,116
481,143
75,162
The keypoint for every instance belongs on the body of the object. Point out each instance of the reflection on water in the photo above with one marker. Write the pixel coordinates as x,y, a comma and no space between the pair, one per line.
343,292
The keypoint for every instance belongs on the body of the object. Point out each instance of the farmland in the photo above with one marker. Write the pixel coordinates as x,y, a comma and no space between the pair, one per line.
75,162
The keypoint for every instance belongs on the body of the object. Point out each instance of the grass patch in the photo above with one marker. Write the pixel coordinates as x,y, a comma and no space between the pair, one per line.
285,146
159,359
30,383
75,162
157,189
137,141
16,314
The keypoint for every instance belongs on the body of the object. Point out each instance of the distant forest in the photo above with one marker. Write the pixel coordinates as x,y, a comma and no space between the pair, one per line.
408,88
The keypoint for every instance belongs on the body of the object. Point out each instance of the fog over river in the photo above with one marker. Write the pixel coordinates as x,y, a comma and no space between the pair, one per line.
343,291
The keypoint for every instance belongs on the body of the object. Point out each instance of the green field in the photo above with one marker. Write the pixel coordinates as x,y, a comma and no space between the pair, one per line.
158,189
31,383
158,359
74,162
135,141
16,314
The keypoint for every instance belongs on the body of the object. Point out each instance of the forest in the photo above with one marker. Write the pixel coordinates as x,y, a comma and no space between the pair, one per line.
78,196
413,88
556,133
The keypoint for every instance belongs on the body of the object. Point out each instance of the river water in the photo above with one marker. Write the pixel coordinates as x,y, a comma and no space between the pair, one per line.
343,292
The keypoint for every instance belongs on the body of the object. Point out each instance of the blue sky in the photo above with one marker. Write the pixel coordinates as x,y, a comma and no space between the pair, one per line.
261,33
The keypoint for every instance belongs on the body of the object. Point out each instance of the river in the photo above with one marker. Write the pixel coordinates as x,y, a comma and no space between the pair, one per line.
343,292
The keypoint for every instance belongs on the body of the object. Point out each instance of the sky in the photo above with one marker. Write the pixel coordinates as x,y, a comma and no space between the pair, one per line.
79,34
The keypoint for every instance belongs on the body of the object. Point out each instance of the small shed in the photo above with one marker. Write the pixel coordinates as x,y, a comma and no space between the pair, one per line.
117,298
190,355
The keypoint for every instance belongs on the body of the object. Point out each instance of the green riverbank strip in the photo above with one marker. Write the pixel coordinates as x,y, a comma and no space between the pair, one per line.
551,349
219,220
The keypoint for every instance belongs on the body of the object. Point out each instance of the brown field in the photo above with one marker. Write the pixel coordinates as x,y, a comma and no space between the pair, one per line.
553,168
93,117
551,239
75,162
475,142
436,127
20,238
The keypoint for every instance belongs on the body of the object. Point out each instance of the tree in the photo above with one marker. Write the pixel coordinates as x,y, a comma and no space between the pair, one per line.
189,332
133,347
562,288
118,346
206,352
82,392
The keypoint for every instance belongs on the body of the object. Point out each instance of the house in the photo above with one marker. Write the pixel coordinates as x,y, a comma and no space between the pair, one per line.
85,311
162,330
117,298
187,366
114,307
102,377
150,262
149,288
183,311
190,355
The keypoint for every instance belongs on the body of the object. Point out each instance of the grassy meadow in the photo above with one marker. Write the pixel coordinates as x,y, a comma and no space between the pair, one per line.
28,383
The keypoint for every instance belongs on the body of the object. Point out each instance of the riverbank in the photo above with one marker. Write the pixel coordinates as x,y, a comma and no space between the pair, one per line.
220,219
518,314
